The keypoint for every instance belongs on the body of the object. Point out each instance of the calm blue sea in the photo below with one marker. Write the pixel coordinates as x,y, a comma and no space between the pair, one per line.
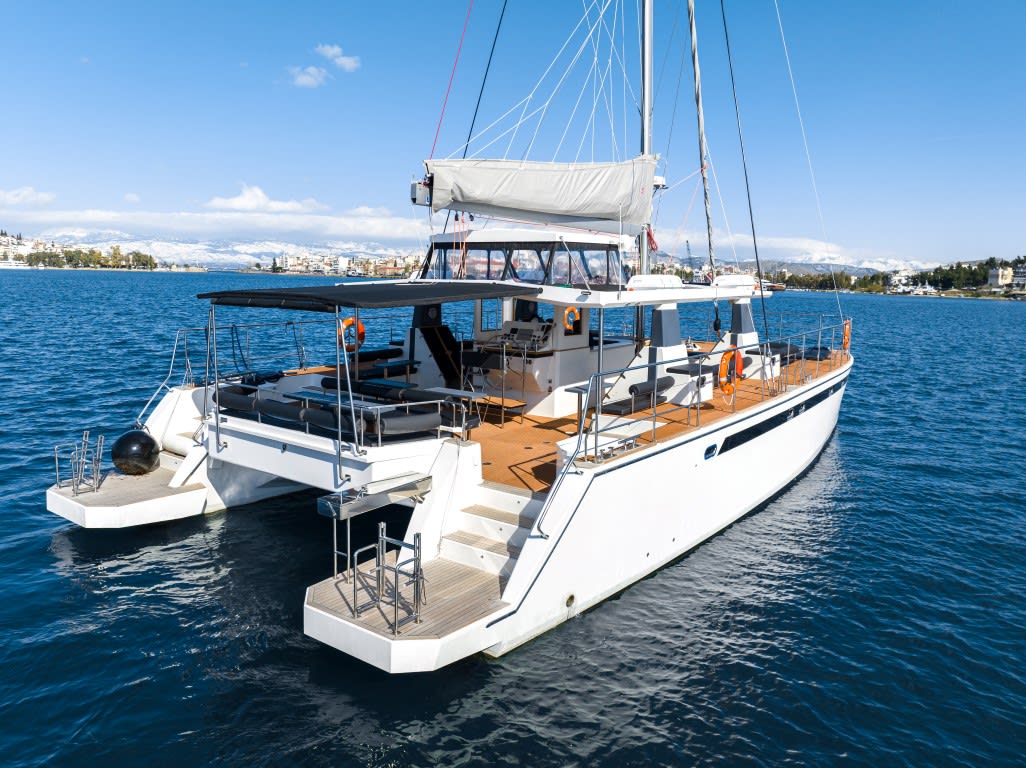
873,614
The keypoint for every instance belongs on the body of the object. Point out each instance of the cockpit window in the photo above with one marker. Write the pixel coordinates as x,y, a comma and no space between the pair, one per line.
539,263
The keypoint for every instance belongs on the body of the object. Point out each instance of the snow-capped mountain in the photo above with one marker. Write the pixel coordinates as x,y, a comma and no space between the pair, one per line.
222,254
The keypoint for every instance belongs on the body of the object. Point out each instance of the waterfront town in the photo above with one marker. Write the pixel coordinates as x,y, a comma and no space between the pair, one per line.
990,278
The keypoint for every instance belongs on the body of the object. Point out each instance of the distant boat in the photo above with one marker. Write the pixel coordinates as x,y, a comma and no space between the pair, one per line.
13,264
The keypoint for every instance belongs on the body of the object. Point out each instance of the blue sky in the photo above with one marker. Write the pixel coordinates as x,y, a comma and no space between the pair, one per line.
306,122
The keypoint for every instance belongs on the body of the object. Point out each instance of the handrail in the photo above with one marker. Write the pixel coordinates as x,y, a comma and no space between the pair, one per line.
595,385
182,341
181,335
381,566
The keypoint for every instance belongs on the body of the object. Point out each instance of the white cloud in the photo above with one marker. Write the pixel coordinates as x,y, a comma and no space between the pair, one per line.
255,199
308,77
366,210
25,196
333,53
227,225
131,197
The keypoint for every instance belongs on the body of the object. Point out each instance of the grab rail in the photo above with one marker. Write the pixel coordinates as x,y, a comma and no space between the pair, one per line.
595,385
415,576
181,336
84,462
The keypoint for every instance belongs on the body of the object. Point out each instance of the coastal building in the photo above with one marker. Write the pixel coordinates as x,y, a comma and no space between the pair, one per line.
999,277
902,280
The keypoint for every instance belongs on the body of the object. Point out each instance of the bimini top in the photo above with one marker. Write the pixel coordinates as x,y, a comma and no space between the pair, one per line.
370,295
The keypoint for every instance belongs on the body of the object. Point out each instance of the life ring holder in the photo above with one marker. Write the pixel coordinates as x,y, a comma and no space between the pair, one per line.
570,317
846,335
343,334
727,386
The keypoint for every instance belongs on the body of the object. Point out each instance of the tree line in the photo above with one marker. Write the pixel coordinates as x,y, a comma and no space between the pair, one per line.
78,258
948,277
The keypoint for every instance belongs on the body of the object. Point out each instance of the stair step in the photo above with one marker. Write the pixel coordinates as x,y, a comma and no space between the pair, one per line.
483,543
479,552
520,519
507,499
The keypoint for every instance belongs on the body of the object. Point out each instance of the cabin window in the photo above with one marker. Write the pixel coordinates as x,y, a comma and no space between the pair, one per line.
561,273
603,266
527,265
444,264
485,264
491,314
574,265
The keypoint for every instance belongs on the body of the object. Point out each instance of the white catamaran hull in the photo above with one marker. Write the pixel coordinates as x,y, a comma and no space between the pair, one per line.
603,540
600,539
187,483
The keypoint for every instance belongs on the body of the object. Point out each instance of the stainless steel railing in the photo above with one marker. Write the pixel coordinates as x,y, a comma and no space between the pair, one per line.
410,569
800,368
83,460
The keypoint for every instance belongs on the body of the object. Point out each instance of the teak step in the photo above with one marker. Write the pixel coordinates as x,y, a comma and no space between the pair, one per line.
481,552
484,543
495,525
520,519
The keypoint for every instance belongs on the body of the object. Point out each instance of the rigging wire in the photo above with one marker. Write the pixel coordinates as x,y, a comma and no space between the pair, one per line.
808,154
480,95
673,121
452,76
744,165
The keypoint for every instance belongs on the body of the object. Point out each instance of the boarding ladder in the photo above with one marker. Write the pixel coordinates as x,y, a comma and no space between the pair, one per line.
373,582
82,460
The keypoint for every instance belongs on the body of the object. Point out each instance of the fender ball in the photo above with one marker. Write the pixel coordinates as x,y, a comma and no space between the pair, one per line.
135,453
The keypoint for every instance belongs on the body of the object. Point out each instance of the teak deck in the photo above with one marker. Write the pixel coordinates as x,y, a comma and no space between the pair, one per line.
522,454
455,595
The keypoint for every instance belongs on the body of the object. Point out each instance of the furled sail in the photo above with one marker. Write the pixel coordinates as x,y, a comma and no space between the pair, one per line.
587,194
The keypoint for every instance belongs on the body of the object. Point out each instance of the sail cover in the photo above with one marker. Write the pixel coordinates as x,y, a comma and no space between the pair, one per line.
582,193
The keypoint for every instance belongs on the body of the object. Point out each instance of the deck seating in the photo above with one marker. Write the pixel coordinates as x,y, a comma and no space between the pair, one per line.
326,419
645,394
817,353
236,399
373,389
398,423
375,355
277,409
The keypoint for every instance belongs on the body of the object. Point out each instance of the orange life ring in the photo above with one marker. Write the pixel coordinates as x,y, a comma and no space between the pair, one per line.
726,379
568,313
846,336
343,334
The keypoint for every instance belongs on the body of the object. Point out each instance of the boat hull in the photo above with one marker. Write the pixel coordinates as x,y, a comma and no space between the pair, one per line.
605,541
598,540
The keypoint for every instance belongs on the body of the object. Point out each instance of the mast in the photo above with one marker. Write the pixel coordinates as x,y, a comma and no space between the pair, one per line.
703,152
646,115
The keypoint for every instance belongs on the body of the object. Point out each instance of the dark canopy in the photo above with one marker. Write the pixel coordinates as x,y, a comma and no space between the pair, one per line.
326,298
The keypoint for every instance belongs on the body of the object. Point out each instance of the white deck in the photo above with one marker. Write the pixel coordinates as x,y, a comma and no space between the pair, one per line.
126,500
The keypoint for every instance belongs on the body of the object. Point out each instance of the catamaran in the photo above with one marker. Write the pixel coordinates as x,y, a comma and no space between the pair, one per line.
554,432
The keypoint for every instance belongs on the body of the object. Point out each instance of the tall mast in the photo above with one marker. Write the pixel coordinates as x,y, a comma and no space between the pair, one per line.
646,114
703,152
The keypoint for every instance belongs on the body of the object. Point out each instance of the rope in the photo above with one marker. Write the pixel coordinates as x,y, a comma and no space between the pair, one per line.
452,76
744,165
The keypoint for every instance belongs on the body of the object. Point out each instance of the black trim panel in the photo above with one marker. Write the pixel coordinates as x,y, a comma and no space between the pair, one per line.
742,437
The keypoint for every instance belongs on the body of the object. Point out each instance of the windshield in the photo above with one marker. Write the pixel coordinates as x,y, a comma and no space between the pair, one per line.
538,263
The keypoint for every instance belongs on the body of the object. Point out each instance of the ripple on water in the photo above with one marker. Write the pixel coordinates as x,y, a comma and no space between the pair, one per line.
870,615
